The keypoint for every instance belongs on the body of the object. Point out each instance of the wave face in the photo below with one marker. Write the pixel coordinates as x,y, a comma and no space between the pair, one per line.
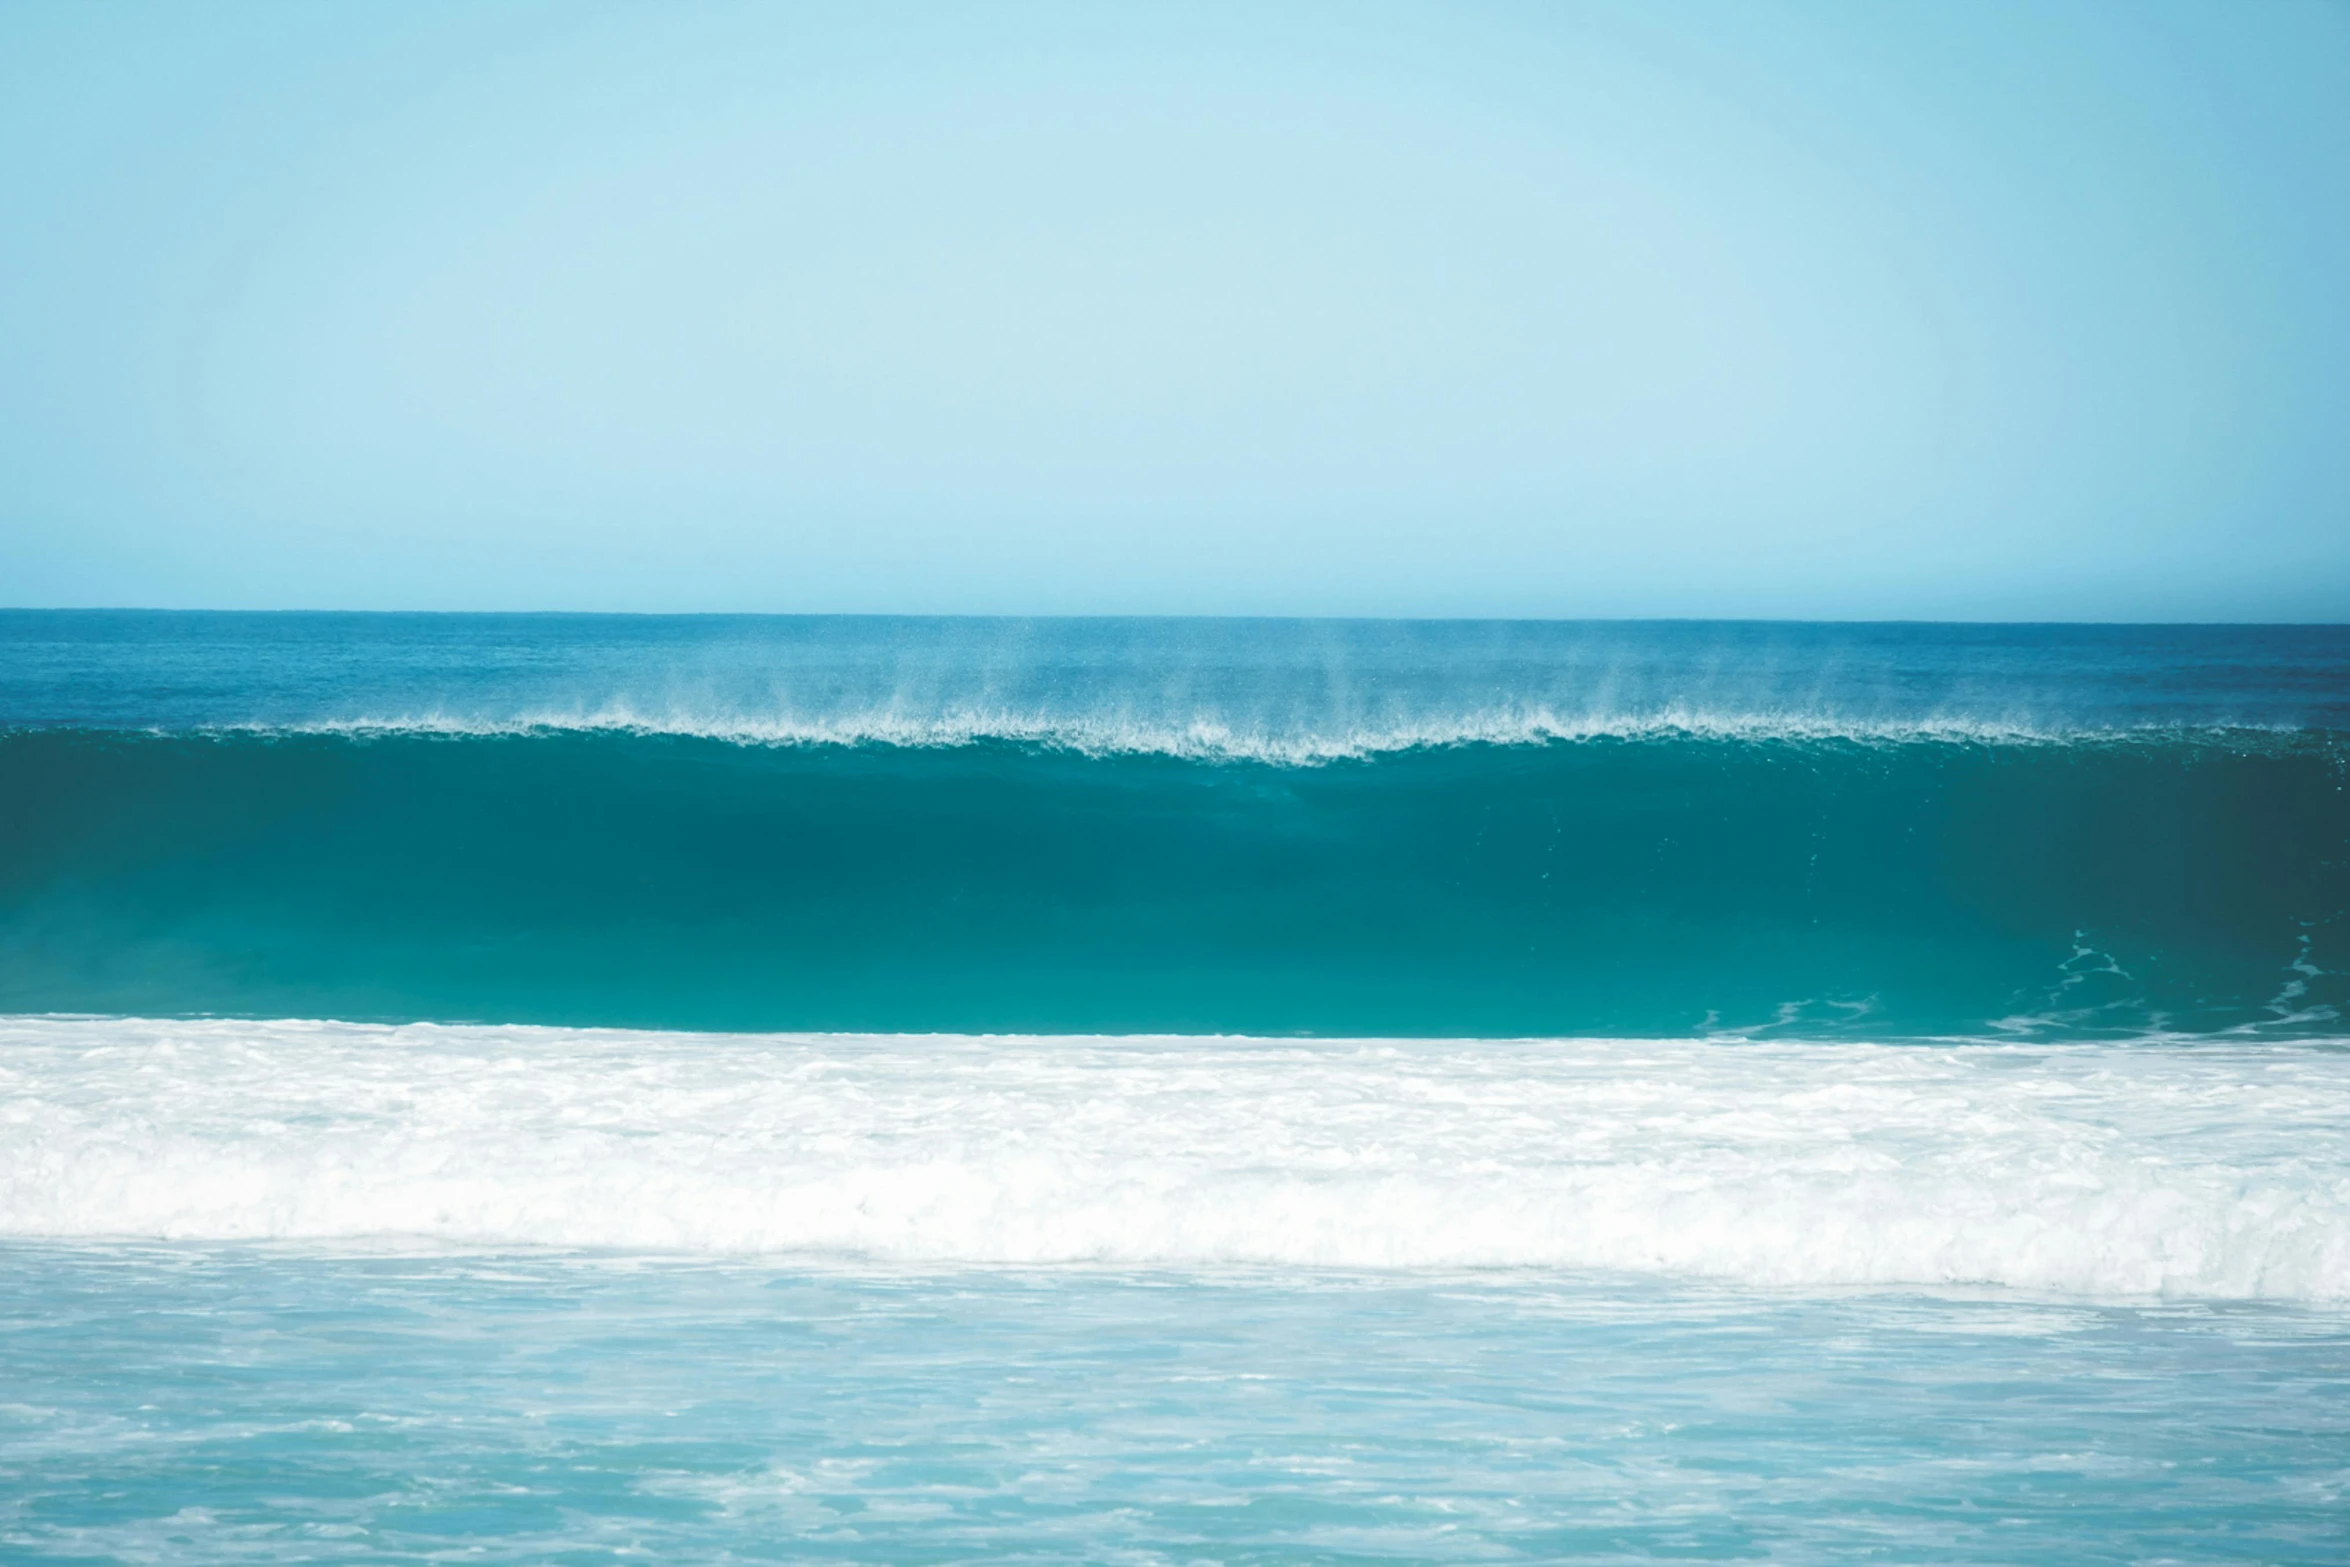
2217,1171
1201,827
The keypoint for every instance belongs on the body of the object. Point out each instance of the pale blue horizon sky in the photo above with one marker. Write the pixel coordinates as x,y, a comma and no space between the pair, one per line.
1810,310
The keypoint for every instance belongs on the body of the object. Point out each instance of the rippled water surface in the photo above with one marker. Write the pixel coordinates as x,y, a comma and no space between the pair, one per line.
186,1404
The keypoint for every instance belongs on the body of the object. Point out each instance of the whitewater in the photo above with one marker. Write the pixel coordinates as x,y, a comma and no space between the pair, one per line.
2209,1170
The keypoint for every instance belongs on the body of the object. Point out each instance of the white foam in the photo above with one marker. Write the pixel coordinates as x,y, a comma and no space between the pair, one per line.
2214,1170
1209,738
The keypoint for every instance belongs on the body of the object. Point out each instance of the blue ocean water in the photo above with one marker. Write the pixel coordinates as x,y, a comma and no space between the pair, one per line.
705,1089
260,1405
1118,826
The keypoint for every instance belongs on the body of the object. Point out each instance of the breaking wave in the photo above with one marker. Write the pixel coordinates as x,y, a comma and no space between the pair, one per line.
1215,741
1672,883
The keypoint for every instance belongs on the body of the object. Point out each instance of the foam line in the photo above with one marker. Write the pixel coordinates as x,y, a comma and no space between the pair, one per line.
1214,740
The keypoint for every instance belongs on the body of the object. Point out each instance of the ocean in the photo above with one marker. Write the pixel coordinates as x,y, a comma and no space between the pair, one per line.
586,1088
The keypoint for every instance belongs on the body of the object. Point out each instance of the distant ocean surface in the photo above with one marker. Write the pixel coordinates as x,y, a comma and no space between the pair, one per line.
570,1087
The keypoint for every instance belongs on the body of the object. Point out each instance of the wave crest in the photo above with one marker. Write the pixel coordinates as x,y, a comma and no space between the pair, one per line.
1217,740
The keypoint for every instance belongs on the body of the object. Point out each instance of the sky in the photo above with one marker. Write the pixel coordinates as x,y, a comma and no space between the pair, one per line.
1962,311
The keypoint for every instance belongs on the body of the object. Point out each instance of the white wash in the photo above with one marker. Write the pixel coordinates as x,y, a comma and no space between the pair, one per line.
2213,1169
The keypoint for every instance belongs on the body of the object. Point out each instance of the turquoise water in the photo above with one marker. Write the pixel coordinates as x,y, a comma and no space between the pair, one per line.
703,1089
1104,827
1657,885
216,1405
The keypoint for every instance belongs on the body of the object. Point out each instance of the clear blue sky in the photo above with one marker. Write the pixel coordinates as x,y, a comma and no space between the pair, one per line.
1962,310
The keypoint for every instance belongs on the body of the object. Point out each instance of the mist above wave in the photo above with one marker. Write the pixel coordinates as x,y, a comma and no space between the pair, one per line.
1276,689
2207,1171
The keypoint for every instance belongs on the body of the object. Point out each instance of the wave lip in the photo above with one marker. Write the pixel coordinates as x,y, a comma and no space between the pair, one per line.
1214,739
2215,1171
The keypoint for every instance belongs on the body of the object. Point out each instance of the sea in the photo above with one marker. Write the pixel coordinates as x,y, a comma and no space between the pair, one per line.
568,1089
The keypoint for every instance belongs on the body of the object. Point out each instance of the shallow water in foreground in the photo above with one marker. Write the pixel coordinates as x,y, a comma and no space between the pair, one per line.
290,1291
208,1404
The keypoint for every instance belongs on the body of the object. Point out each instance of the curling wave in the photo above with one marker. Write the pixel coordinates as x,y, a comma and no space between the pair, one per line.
1673,884
1118,826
